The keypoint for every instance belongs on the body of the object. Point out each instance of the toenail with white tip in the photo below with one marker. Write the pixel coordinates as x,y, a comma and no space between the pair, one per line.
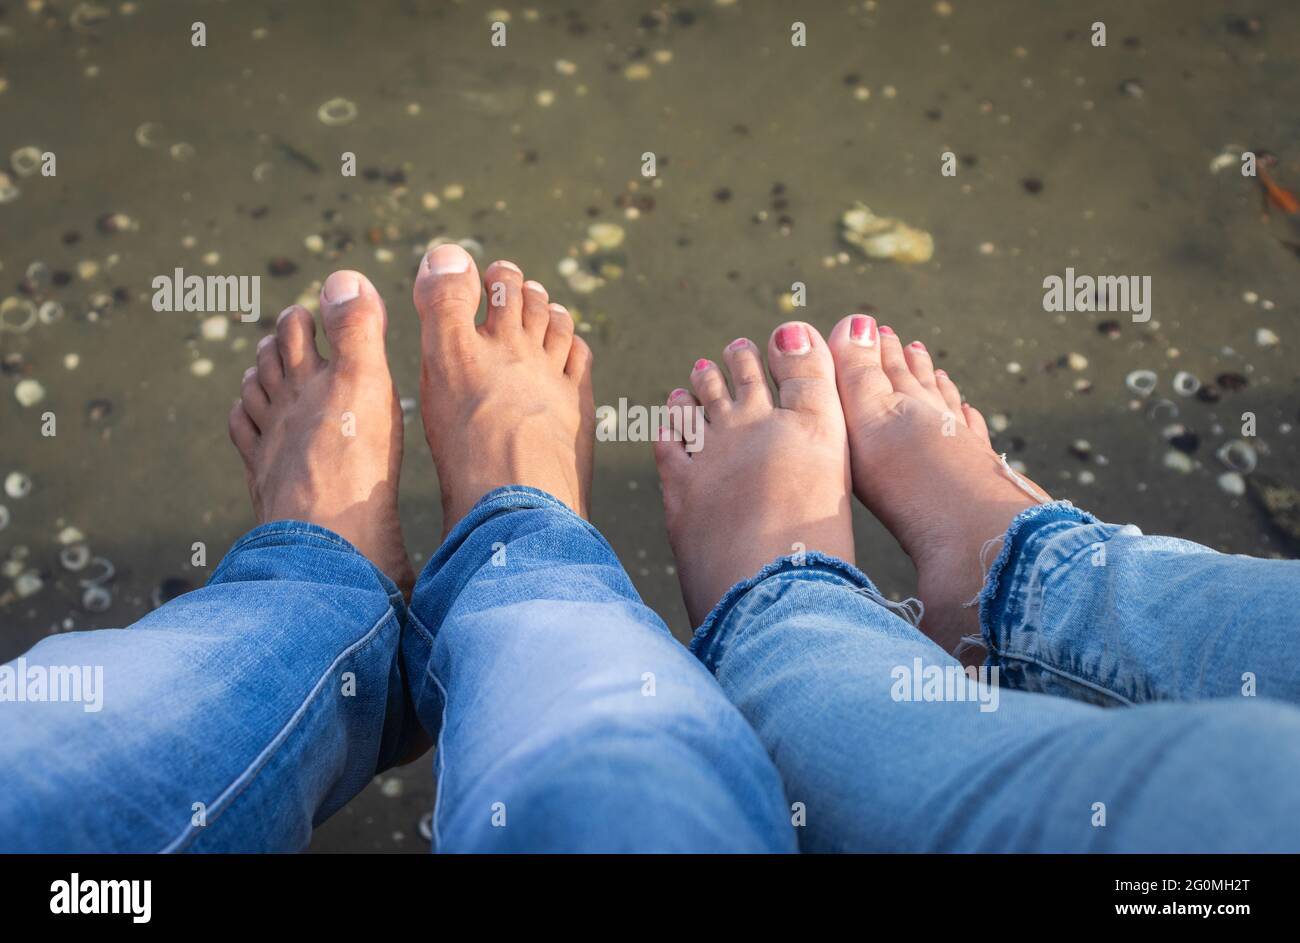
448,259
862,330
341,287
510,265
535,286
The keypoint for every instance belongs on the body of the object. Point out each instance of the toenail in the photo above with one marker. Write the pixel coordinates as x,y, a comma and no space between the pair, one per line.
740,343
941,373
266,341
886,329
702,364
249,372
557,308
676,393
862,330
284,314
917,345
535,286
447,259
341,287
792,339
510,265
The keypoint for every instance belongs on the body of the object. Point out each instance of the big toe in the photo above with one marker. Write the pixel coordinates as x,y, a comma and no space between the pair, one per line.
354,317
802,367
855,345
447,292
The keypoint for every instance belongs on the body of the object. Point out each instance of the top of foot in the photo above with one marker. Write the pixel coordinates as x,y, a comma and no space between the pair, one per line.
321,439
770,476
922,463
507,402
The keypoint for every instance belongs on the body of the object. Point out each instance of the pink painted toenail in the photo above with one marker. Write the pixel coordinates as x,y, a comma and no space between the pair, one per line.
862,330
676,393
792,339
886,329
917,345
941,373
740,343
702,364
447,259
341,287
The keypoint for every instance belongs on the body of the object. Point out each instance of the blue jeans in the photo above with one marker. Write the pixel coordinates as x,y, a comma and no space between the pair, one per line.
885,745
238,716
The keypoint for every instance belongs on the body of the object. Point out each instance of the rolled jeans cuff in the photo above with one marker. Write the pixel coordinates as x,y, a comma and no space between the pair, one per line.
740,603
1008,584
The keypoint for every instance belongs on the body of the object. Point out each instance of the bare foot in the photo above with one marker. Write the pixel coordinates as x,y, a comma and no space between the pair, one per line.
922,463
322,439
507,403
769,479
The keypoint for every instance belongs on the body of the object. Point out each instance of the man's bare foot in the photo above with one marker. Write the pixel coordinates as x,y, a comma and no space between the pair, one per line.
322,439
769,480
922,463
508,402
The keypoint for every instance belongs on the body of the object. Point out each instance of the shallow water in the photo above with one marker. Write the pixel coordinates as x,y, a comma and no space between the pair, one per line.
761,147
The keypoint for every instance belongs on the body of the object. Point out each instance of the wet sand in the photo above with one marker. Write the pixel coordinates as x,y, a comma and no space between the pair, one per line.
1069,156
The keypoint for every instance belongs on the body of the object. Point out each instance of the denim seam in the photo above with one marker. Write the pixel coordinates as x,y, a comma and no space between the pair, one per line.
240,782
1067,675
441,759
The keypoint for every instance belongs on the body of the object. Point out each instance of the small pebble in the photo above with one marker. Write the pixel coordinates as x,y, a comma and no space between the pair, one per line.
1178,461
215,328
18,485
1266,338
29,392
201,367
1233,483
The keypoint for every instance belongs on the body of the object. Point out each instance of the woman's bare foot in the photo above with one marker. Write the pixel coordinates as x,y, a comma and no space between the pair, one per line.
322,439
769,480
508,402
922,463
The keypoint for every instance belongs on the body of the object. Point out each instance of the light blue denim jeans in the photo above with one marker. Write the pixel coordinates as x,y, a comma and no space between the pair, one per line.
566,717
236,717
885,745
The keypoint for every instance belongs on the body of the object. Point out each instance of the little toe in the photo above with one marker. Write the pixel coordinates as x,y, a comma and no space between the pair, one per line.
670,443
243,432
975,419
